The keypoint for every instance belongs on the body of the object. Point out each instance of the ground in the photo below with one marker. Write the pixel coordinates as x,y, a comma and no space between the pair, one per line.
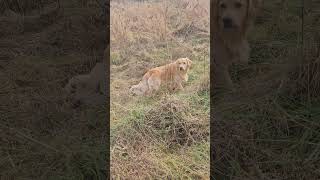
42,136
166,135
269,129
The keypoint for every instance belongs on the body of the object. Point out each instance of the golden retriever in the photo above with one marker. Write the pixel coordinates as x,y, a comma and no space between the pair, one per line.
88,88
231,20
172,75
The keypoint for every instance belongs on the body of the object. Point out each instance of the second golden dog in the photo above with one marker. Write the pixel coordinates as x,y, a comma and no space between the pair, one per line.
231,21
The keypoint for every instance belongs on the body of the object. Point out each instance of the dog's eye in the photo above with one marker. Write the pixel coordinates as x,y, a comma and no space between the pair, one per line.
238,5
222,5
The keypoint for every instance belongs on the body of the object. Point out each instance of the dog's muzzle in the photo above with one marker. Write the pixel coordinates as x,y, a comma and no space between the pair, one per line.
227,23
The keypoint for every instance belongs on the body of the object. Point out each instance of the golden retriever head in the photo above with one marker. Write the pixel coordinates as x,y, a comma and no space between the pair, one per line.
183,64
233,16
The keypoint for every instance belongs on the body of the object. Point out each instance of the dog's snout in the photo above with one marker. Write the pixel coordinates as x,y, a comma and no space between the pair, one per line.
227,22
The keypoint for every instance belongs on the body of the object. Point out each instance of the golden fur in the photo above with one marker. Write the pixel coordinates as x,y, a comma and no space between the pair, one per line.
89,88
172,75
231,20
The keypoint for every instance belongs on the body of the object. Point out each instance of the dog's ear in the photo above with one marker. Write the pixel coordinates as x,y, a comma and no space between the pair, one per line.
252,9
252,6
189,63
214,14
255,6
176,64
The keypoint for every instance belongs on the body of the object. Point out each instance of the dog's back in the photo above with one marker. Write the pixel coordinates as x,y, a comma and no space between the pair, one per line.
170,75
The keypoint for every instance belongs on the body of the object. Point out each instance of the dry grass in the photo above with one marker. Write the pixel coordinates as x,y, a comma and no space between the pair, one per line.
268,129
164,136
41,135
156,22
141,144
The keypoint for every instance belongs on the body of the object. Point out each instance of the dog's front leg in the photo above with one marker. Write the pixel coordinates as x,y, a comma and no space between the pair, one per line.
186,78
244,54
221,78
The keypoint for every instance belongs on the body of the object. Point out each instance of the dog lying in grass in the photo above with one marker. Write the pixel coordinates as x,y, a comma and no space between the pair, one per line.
170,75
88,88
231,19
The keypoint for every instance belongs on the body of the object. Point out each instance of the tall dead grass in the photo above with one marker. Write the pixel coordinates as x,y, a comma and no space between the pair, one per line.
269,128
41,136
154,138
143,22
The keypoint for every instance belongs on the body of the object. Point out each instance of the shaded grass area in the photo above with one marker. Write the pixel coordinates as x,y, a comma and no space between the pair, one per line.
41,135
270,128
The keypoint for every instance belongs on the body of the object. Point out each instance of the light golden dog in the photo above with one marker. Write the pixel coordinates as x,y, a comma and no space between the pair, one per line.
88,88
171,75
231,20
91,88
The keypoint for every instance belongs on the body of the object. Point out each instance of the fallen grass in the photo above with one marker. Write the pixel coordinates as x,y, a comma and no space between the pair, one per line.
41,135
165,135
268,129
166,129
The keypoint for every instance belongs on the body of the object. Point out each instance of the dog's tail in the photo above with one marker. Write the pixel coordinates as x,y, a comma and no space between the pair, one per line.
143,86
146,76
144,82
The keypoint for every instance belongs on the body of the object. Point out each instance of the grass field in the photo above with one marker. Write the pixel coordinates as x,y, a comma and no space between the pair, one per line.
166,135
269,129
42,136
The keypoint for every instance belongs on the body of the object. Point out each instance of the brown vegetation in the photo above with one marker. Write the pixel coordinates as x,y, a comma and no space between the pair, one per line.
162,136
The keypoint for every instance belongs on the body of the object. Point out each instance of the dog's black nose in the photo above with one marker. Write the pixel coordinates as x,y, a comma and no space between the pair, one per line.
227,22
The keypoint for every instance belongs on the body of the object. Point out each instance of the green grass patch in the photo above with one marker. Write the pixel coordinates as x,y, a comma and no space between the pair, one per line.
191,163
